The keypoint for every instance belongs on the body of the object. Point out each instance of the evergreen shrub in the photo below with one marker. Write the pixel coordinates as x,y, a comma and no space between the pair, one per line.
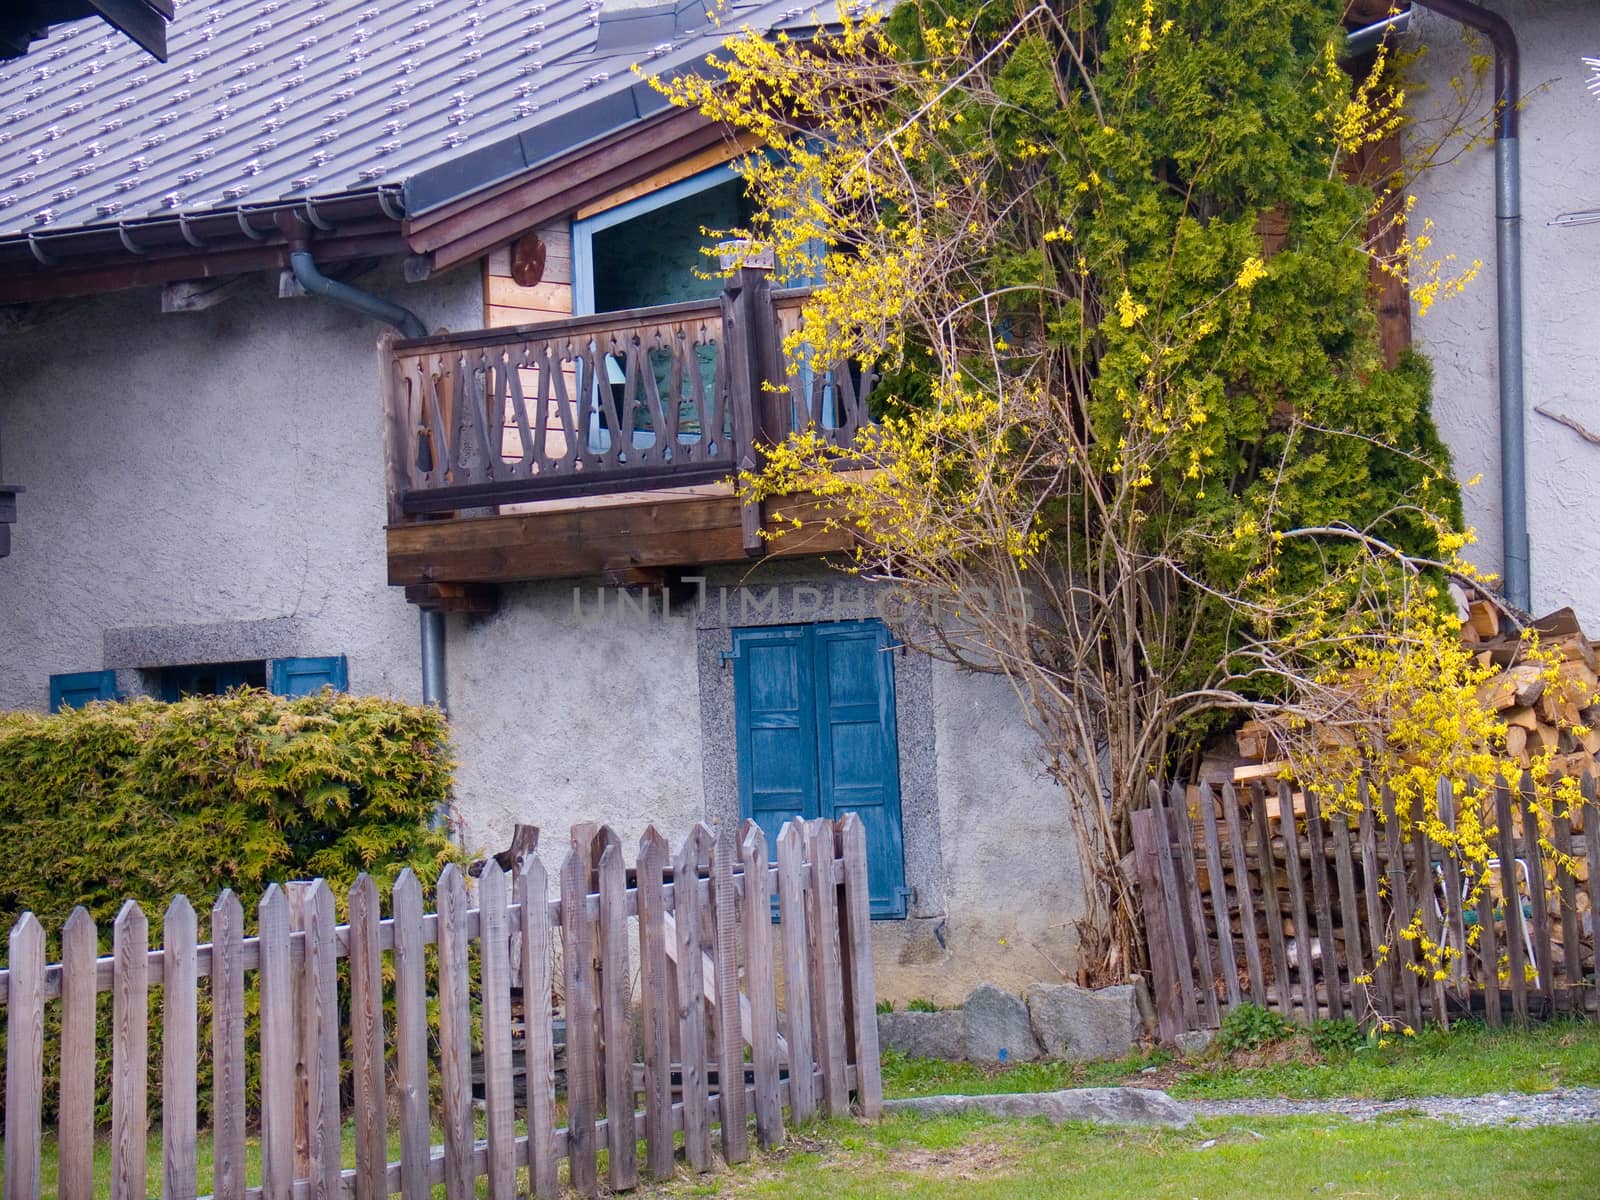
144,800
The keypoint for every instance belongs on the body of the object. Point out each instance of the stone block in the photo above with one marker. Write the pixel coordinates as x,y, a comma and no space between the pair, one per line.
997,1027
924,1034
1082,1023
1103,1106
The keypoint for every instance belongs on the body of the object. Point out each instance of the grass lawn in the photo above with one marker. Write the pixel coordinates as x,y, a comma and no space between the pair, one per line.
1402,1158
1468,1061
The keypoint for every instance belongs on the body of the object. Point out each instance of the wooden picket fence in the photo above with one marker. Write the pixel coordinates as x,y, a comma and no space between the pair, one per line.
1290,908
697,927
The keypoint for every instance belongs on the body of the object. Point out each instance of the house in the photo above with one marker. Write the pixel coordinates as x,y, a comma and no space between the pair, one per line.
355,320
229,480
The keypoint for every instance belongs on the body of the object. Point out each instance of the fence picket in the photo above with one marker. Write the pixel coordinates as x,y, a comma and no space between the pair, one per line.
796,975
1400,897
1305,939
577,956
1171,889
863,993
25,1058
1571,934
1271,901
1221,913
455,1034
367,1042
130,1054
1591,841
227,1048
1512,899
615,1021
656,1003
1456,916
411,1037
532,889
321,1038
1349,908
1432,927
1241,882
1533,856
75,1109
1165,986
1200,945
827,988
1320,898
179,1051
730,1040
494,985
762,985
1371,876
691,1000
1489,953
277,1046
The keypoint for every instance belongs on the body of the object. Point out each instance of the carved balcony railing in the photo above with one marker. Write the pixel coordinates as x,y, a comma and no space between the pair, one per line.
629,401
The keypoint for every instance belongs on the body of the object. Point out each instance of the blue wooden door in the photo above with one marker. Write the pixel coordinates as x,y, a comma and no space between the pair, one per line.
776,726
815,727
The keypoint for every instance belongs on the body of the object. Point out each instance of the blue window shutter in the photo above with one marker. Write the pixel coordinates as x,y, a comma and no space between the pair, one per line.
858,748
78,688
775,727
303,676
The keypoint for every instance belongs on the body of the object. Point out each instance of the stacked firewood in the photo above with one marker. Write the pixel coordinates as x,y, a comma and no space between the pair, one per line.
1538,714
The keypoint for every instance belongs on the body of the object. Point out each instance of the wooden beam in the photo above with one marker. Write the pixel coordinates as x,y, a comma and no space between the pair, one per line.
474,598
197,295
594,541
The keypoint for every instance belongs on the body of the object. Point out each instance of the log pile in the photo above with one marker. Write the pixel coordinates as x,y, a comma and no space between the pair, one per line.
1538,715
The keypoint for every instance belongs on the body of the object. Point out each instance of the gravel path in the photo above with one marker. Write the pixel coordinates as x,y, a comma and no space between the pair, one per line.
1565,1106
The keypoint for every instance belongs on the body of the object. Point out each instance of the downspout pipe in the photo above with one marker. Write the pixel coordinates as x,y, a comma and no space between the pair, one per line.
303,265
307,274
1508,281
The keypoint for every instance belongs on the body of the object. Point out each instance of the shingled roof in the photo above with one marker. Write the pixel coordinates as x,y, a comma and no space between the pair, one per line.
355,106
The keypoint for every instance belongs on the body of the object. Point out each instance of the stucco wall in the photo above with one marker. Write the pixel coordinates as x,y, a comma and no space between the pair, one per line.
1561,281
221,468
567,709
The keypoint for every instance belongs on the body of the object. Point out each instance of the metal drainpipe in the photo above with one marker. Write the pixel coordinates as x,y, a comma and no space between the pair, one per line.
1508,279
304,268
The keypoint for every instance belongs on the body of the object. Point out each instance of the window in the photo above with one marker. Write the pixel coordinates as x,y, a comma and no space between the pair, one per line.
285,676
209,679
647,251
816,737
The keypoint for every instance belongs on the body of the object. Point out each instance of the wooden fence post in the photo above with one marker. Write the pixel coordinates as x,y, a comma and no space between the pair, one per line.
367,1041
691,996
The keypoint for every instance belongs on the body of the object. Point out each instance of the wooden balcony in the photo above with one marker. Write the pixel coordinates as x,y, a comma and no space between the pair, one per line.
600,445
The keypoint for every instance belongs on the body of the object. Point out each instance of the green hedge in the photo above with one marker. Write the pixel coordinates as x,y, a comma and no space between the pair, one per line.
144,799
